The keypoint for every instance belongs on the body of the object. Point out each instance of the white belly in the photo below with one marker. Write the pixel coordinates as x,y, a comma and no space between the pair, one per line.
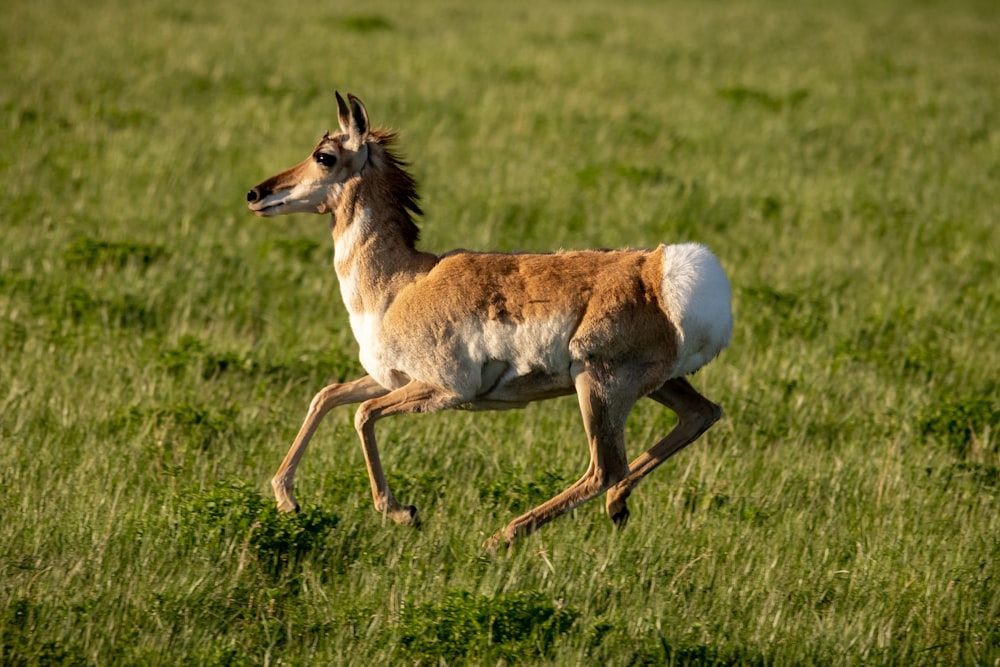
457,361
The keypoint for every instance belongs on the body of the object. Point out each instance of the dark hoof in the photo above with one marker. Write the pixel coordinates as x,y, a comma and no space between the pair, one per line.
620,517
415,521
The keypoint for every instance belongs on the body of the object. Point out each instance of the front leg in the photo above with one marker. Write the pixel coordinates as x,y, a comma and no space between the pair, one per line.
414,397
329,397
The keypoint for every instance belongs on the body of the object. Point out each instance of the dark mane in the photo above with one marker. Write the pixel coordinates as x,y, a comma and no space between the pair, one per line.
396,185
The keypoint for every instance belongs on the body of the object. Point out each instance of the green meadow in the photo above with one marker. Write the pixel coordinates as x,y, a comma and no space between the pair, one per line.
159,345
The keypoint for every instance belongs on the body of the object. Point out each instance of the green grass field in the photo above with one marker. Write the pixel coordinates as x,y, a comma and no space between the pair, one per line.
159,345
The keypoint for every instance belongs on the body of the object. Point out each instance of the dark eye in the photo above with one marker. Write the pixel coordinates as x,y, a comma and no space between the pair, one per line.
326,159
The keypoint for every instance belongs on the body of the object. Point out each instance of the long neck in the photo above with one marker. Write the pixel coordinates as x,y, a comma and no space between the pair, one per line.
374,253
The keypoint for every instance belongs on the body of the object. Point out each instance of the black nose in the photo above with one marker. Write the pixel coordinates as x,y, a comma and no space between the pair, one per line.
253,195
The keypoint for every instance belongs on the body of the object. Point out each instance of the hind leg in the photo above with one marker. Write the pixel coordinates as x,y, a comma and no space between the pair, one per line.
604,413
695,415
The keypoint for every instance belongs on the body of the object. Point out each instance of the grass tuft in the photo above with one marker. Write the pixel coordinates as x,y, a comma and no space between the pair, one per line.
963,425
234,512
513,628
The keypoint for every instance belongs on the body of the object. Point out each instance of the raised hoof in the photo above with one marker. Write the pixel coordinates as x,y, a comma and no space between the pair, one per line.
405,515
497,543
285,506
283,495
620,518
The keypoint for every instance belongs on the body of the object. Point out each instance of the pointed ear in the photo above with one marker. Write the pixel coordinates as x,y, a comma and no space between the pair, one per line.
359,116
353,121
343,114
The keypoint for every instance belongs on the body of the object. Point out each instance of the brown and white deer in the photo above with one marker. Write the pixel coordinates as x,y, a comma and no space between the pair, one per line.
487,331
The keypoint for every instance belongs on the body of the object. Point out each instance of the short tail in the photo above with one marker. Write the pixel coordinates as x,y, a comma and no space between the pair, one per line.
696,295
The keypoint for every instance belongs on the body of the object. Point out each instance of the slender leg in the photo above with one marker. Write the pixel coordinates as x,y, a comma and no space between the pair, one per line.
329,397
695,414
604,415
414,397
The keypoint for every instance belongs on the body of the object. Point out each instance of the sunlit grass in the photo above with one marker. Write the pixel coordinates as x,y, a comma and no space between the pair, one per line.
159,345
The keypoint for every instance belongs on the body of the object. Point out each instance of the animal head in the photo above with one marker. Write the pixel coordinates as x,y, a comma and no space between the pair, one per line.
314,185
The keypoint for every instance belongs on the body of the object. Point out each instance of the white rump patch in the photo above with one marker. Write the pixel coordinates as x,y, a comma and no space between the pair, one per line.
697,297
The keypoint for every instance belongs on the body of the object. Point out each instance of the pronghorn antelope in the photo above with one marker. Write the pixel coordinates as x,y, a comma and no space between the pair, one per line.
488,331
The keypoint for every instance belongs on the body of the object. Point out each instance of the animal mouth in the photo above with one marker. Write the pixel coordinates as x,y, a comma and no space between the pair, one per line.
267,205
